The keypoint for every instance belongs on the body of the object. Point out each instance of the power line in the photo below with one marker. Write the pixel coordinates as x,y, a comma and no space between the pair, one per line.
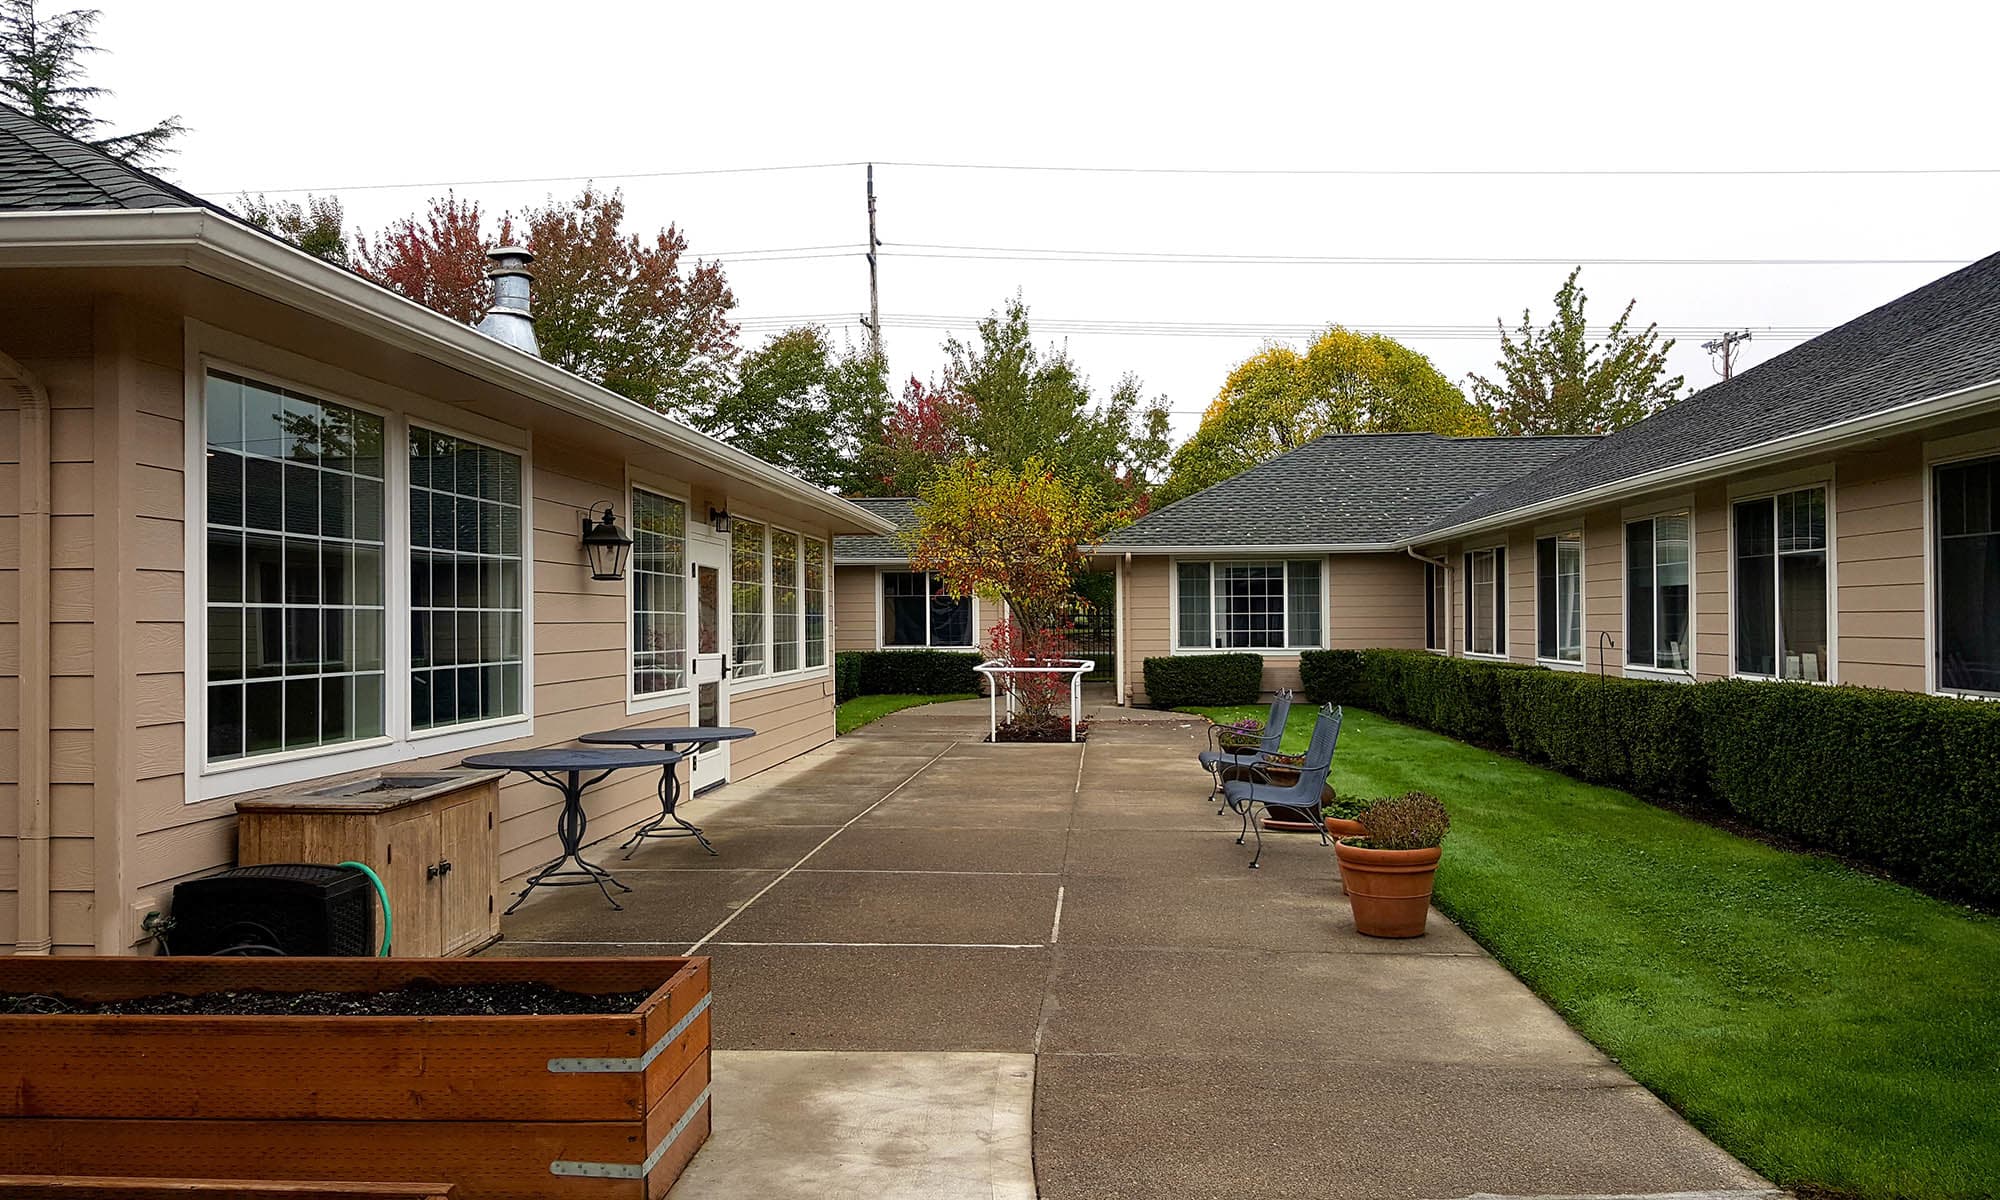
1094,169
1240,329
1038,254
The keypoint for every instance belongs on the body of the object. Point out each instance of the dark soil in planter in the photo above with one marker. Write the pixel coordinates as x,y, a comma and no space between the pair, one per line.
1052,729
416,1000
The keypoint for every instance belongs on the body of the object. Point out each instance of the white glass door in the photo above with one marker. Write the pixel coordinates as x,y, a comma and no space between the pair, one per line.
709,669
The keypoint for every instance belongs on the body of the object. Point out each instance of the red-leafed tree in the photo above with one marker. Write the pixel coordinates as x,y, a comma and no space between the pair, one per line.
919,438
633,314
437,259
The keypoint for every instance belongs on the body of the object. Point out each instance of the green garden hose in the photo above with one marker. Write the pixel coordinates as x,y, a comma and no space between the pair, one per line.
388,919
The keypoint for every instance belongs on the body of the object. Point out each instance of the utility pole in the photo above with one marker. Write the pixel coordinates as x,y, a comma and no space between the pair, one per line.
873,322
1726,347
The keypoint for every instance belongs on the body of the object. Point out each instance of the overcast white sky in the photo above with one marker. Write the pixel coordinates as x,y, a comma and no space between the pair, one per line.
283,96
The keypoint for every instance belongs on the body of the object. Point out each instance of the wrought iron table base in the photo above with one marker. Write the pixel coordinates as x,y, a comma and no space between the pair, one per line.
569,829
670,795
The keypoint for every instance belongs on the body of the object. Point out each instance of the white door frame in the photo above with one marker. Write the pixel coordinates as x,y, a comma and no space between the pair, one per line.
708,667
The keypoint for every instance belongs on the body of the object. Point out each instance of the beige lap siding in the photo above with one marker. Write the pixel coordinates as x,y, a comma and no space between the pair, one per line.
1147,615
790,719
1879,531
1375,600
854,608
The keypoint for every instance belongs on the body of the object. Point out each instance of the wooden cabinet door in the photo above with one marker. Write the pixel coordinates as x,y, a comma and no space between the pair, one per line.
412,853
469,912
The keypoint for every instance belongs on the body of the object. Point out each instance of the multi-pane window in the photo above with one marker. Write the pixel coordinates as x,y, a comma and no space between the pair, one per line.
466,592
1658,590
1781,586
747,564
659,594
295,601
1486,601
1559,597
1248,605
815,599
785,625
918,611
1434,607
1968,576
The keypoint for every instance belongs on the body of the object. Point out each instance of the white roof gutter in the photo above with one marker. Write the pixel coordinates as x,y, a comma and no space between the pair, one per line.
1262,548
243,257
1886,423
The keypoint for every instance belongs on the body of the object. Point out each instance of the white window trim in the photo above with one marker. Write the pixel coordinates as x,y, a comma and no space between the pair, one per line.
1769,488
203,781
1500,599
1286,651
1651,515
682,697
738,685
1582,594
1443,648
1944,452
881,612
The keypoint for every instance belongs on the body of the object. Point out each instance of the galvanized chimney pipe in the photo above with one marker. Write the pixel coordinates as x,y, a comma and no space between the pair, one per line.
511,318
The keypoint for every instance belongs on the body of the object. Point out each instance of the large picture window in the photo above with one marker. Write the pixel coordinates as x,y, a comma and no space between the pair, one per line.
1781,586
917,611
816,628
1249,605
1559,597
786,630
1486,601
659,594
295,602
1967,500
1658,591
466,609
747,563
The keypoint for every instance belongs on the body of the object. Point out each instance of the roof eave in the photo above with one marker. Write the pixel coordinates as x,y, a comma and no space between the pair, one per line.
1239,548
243,257
1888,422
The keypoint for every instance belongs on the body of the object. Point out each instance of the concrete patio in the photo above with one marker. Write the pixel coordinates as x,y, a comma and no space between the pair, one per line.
949,969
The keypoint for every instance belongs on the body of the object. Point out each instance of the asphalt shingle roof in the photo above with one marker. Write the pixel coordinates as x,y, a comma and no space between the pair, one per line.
856,547
1346,489
1937,339
43,171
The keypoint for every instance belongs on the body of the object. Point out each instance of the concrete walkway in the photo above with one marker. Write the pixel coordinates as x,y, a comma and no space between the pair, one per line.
932,930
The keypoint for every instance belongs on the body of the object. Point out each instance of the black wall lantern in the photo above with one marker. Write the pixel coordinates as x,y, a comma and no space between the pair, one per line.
718,518
606,544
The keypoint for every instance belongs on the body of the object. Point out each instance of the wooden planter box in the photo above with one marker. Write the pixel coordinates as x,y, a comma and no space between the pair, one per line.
599,1107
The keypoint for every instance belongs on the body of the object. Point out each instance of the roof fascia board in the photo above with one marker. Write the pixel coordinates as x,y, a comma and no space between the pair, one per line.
260,264
1235,548
1828,437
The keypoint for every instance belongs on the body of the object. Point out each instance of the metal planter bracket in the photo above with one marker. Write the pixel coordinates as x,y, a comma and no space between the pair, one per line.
602,1170
629,1066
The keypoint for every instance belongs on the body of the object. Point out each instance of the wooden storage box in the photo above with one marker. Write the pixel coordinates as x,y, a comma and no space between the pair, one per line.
430,837
599,1107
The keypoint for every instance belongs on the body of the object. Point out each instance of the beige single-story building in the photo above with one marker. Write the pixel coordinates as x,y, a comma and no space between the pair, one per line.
263,522
1831,515
884,605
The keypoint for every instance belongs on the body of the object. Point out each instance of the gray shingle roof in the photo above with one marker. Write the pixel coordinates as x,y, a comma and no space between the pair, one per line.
1937,339
860,548
43,171
1346,490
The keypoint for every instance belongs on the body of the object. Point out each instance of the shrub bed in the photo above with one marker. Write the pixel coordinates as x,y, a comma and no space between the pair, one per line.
1178,681
1902,780
904,672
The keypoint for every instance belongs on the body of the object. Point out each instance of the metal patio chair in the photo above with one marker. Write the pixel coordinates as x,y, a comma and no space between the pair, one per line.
1245,796
1217,760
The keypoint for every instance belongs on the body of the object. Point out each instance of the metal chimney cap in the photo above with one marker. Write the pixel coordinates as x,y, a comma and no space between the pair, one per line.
508,260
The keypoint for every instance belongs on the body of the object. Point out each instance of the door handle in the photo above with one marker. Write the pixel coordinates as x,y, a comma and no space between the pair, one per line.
725,666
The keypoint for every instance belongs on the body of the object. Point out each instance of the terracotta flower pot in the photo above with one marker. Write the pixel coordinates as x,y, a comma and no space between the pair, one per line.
1343,827
1389,890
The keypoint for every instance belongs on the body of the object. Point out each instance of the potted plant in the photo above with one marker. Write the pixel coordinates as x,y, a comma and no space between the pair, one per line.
1343,817
1282,770
1388,871
1241,737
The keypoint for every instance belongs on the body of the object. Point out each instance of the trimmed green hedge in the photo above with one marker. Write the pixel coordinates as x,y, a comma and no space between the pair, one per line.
1183,680
1906,781
904,672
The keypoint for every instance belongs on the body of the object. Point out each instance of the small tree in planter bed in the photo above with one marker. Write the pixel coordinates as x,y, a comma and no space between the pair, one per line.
1021,537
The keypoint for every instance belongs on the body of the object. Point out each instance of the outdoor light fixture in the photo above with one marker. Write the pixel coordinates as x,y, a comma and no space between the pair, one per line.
719,518
606,544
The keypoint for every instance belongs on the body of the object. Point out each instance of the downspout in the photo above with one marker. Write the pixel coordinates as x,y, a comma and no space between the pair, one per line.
1444,566
33,931
1118,617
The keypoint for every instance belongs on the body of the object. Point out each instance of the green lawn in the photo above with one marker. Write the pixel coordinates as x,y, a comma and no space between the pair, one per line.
853,714
1832,1030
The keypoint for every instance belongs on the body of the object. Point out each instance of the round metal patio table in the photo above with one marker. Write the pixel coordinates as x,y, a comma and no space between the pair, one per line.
669,737
563,768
